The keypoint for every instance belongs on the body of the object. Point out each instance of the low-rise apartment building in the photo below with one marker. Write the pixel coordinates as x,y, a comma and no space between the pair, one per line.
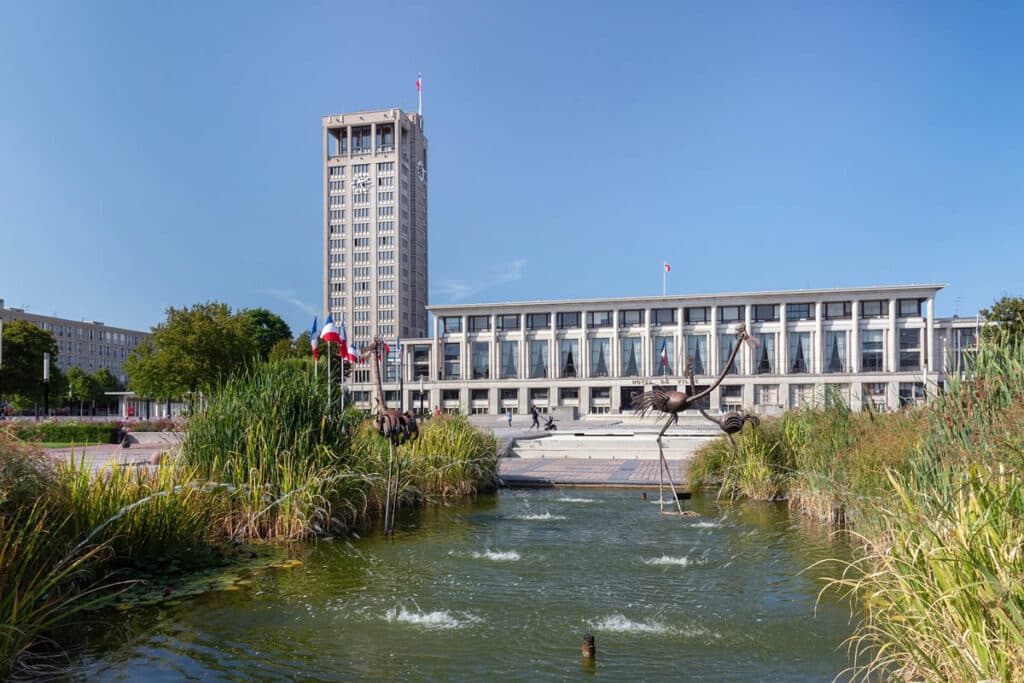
86,344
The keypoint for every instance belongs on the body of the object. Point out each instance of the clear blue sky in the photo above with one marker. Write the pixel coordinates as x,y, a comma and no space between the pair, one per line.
156,154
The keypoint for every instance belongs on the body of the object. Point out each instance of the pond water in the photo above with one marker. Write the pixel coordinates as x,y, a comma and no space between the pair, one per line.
504,588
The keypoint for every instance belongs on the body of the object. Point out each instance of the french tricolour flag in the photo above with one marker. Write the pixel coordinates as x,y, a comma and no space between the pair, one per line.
668,268
329,333
314,340
664,352
342,339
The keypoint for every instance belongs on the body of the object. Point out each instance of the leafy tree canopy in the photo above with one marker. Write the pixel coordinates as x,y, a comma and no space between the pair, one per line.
267,329
286,348
1008,316
21,377
193,349
83,386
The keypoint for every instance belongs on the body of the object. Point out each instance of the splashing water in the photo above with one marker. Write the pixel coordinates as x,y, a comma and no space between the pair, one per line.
434,621
537,517
496,556
669,561
619,623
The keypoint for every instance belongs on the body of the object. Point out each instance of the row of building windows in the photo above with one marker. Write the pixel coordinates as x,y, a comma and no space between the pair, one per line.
60,330
692,315
797,358
730,396
383,168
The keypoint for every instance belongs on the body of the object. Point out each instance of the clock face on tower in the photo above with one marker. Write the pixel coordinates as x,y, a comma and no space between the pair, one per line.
361,182
421,170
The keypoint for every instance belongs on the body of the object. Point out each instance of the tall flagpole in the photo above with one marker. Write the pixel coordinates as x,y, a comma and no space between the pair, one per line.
401,384
329,375
664,275
419,92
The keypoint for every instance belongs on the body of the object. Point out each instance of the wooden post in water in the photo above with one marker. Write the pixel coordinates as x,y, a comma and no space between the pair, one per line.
589,649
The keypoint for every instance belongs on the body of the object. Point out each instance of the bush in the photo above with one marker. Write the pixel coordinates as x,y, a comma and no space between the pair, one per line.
65,431
25,473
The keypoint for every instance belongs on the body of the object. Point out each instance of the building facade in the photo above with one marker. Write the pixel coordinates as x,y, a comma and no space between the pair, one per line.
85,344
375,223
878,346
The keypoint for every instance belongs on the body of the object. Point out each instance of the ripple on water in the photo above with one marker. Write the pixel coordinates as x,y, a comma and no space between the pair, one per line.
537,517
669,561
435,621
497,556
566,499
618,623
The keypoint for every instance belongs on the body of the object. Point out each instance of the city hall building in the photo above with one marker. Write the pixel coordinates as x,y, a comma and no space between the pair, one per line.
877,346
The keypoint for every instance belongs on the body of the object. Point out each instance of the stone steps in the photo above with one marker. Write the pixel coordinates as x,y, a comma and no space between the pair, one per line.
624,446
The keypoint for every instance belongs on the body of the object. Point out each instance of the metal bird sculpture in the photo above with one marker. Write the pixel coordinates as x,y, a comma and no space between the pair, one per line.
396,427
674,402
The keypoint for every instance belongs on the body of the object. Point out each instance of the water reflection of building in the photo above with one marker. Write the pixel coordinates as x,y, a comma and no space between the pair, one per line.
872,345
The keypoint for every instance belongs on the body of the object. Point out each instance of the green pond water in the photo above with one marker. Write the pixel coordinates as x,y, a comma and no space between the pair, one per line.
504,588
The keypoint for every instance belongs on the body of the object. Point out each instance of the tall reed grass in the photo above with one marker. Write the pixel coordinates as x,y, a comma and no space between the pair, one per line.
942,573
936,498
267,459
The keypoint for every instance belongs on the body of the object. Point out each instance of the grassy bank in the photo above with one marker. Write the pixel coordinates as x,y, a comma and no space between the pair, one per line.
935,495
267,460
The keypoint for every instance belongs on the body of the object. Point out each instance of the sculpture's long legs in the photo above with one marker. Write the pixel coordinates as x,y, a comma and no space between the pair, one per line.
398,481
387,490
663,469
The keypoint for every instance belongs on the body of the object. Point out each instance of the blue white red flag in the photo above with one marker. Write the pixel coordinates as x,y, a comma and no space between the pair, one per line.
329,333
342,339
314,341
664,352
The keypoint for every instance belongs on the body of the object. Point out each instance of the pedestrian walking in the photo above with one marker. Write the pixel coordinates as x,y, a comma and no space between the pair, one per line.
509,417
536,418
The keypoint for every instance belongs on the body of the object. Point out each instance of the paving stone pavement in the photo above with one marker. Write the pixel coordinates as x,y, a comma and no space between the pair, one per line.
583,472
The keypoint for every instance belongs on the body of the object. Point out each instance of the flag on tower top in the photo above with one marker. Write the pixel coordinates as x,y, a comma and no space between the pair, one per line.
668,268
314,341
329,333
419,82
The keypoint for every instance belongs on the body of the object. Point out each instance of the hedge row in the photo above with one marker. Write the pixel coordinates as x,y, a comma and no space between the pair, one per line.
63,432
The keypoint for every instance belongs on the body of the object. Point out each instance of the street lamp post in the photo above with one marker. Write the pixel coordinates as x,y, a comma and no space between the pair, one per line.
46,385
421,395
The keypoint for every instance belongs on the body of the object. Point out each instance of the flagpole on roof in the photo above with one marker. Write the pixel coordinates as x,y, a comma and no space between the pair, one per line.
419,92
664,275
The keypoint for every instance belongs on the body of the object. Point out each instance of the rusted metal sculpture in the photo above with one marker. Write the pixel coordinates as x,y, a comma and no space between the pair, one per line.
393,425
674,402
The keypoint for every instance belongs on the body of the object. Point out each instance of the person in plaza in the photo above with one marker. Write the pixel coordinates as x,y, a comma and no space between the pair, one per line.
535,414
509,412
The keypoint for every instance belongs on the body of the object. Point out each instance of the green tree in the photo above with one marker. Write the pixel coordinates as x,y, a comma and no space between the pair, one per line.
83,386
267,329
1008,316
286,348
193,349
104,381
21,377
